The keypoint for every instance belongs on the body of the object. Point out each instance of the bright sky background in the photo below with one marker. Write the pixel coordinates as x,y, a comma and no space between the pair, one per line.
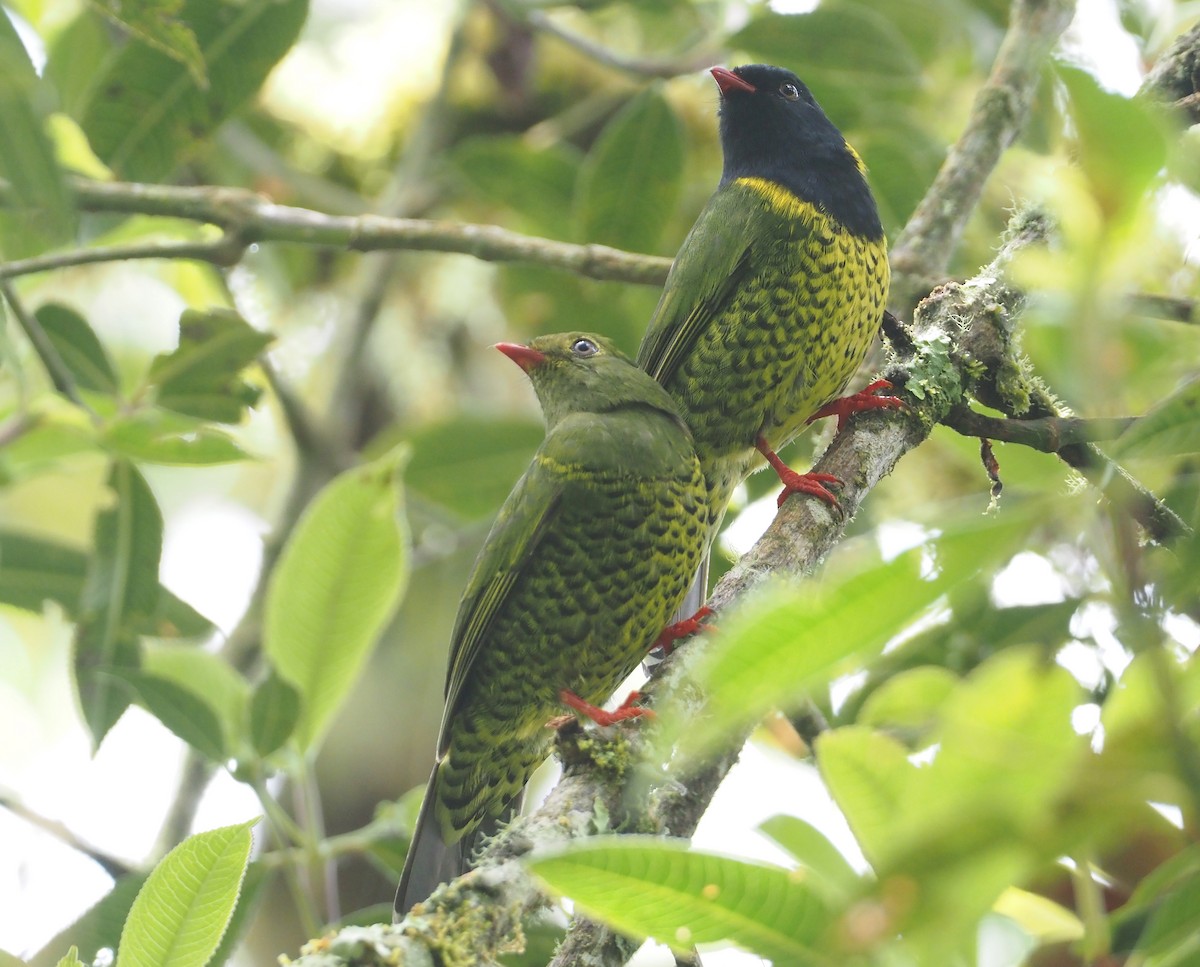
46,760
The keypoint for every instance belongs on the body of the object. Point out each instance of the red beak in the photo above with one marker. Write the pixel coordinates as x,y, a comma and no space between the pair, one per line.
523,356
728,82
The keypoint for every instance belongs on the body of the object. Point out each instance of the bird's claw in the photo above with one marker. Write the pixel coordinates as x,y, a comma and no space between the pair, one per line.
683,629
864,399
808,483
626,710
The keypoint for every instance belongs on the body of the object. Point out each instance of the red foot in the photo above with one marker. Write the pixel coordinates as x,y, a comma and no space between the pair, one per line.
864,399
626,710
798,483
682,629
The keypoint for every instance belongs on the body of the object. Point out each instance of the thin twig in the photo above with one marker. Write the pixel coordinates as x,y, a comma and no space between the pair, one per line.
249,217
110,864
1164,307
225,251
57,370
1048,434
662,67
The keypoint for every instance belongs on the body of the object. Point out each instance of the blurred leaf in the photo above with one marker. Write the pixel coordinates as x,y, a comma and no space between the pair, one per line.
79,348
1174,925
833,877
1170,429
538,182
144,113
909,700
45,209
70,959
98,928
274,712
867,773
185,906
208,677
120,594
1121,144
34,570
157,23
630,182
158,436
181,710
335,587
1039,916
825,47
650,887
788,641
201,378
469,464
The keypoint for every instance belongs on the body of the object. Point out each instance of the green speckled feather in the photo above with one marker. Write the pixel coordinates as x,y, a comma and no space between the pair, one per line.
779,288
587,560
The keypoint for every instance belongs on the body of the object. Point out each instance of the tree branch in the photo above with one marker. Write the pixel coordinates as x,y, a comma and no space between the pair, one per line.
249,217
1049,434
923,250
224,251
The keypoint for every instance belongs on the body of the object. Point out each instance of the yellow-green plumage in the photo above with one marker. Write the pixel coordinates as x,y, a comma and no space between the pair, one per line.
588,558
778,290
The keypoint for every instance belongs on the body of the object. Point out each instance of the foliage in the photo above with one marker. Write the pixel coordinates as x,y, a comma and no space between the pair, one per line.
1012,700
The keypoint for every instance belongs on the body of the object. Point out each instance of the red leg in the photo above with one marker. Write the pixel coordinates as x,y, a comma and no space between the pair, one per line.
797,483
626,710
682,629
864,399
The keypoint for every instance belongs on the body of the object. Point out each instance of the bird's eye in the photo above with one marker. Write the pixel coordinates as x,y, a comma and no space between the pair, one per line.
789,91
584,347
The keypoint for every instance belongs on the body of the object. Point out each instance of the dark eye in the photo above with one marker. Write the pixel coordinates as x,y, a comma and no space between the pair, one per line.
789,91
584,347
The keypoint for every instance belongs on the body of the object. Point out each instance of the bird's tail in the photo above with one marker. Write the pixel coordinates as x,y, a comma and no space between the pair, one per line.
431,860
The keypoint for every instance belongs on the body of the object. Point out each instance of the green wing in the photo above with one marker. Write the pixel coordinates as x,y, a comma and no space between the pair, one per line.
715,258
523,521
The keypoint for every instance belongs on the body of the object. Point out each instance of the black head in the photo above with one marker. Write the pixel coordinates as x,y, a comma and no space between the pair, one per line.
773,128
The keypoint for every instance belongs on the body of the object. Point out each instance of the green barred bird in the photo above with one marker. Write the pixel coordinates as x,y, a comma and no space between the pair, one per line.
591,553
778,290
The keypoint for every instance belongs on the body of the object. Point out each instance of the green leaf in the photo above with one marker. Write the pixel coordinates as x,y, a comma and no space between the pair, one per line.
1122,145
1039,916
144,113
185,906
69,959
98,928
833,875
867,773
34,570
254,889
657,888
157,23
630,182
469,465
181,711
46,209
120,595
335,587
208,677
1171,428
202,377
910,699
78,347
825,48
1175,922
274,712
788,641
158,436
537,181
